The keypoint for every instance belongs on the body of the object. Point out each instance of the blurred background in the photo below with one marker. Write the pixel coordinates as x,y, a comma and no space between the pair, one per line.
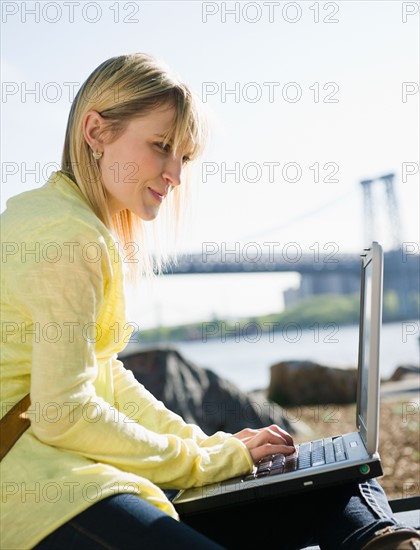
313,152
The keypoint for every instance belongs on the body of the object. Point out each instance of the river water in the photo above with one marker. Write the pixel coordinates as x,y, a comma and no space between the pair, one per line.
246,359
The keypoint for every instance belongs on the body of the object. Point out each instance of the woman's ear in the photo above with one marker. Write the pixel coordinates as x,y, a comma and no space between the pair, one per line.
92,125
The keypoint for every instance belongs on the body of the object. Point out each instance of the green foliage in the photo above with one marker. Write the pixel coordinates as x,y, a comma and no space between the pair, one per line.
391,303
325,308
321,309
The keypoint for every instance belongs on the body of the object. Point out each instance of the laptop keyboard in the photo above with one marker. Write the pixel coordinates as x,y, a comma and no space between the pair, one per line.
307,455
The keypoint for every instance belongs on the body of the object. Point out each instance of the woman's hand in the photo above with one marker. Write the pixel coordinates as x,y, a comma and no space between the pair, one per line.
266,441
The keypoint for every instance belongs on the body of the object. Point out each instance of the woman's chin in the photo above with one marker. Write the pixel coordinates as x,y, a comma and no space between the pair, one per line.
148,215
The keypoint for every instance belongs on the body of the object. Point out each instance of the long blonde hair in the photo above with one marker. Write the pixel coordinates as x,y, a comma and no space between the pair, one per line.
120,89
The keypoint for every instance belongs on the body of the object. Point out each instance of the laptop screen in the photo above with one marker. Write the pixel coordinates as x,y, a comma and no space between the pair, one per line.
364,359
369,341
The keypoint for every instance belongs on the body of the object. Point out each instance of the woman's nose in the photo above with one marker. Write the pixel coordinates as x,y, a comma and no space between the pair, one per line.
172,171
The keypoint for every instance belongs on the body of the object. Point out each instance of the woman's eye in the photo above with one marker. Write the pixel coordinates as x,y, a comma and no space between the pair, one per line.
165,147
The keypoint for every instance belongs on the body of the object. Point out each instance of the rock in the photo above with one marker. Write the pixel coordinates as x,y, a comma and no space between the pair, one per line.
405,371
199,395
308,383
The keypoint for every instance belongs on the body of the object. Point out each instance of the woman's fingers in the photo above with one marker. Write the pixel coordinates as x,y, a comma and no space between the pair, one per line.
266,441
250,433
265,450
286,435
270,436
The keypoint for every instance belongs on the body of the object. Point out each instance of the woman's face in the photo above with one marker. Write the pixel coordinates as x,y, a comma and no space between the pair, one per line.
137,171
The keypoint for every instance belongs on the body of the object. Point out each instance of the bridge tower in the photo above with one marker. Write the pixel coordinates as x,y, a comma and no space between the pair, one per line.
393,213
396,276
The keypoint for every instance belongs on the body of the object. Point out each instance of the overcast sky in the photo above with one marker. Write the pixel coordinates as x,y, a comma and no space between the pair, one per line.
305,100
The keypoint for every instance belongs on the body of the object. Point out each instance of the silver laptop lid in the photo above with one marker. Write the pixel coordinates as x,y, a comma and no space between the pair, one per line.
368,390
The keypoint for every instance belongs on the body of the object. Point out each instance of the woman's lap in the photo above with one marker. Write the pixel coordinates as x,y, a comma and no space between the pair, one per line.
124,521
343,516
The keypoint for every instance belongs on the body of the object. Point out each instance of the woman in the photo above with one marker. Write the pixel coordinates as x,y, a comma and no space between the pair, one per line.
91,470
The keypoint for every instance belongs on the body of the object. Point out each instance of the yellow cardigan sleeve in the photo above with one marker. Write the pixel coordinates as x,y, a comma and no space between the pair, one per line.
132,398
62,300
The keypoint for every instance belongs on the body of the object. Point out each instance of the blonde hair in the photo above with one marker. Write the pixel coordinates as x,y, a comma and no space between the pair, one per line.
120,89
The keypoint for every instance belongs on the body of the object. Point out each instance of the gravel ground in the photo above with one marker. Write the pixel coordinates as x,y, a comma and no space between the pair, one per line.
399,438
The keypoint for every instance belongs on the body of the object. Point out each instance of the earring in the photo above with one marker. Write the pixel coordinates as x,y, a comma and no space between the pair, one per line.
96,155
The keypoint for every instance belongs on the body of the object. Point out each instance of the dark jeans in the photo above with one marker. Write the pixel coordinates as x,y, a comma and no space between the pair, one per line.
342,517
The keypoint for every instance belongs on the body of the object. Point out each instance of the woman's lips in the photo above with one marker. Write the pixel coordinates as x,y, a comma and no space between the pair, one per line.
157,195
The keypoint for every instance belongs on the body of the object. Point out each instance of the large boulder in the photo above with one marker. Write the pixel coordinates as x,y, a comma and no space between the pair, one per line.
308,383
199,395
403,372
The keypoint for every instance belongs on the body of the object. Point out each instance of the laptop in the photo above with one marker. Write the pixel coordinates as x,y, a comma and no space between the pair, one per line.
327,461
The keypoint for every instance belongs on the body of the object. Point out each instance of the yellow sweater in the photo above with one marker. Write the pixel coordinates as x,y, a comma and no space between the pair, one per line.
95,431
